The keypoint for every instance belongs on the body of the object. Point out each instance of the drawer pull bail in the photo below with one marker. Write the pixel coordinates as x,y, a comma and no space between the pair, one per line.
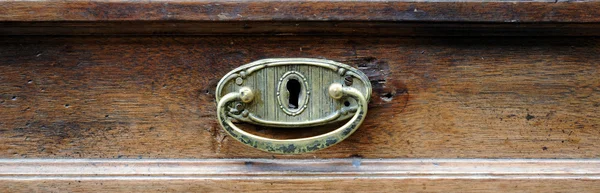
293,93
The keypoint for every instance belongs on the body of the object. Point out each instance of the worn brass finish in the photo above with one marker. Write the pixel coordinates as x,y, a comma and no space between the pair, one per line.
294,92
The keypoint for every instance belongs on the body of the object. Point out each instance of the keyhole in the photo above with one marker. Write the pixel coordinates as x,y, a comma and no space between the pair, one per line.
293,87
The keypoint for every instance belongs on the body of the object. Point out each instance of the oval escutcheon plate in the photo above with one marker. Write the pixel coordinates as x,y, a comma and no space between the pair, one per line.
293,92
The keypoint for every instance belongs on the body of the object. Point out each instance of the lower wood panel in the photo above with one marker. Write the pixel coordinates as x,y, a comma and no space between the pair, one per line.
314,175
153,97
304,185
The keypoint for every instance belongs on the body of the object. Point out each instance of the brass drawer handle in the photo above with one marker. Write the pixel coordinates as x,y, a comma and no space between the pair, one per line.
293,92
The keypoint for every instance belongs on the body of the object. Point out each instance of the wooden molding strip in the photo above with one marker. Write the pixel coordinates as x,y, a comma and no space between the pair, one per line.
296,10
272,169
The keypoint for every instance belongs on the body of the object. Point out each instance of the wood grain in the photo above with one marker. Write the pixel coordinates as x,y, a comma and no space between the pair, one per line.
288,28
119,83
304,185
362,10
337,175
152,97
265,169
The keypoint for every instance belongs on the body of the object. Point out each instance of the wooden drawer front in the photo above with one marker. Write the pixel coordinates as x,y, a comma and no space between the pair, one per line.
111,97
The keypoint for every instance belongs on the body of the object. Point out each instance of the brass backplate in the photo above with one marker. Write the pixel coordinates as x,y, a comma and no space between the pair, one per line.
293,92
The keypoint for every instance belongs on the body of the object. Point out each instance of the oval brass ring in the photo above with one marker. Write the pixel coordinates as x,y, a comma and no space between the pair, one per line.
293,146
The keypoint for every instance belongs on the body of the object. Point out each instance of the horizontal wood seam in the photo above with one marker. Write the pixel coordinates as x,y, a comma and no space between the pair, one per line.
305,169
295,28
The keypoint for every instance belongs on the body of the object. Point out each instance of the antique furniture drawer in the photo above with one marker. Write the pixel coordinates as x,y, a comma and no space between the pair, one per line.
466,96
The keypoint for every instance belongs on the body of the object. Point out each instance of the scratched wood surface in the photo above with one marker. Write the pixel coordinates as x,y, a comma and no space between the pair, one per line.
135,79
577,11
305,185
312,175
153,97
